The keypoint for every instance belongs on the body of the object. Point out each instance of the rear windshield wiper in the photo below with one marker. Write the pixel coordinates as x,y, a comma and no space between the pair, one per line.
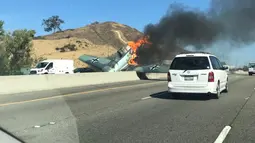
185,70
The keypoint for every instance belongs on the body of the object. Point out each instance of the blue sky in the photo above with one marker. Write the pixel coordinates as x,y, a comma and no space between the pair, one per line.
28,14
77,13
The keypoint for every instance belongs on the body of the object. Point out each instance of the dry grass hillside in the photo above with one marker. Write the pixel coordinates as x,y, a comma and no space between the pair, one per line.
49,49
98,39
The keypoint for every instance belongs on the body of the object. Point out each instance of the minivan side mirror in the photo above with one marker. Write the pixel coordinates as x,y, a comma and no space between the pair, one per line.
224,68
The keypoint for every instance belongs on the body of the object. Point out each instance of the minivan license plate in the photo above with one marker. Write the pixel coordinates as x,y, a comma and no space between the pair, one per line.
188,78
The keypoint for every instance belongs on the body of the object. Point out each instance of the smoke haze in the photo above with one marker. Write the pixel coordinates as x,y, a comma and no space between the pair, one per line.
228,20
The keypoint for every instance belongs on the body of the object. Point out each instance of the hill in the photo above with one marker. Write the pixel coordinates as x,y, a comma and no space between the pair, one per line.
98,39
106,33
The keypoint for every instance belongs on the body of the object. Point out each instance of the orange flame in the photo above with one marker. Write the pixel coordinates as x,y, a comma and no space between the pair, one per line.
134,47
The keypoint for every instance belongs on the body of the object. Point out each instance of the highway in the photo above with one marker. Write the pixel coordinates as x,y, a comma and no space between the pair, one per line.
139,111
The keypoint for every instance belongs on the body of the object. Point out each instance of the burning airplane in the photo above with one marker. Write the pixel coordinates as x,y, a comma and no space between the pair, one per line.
125,59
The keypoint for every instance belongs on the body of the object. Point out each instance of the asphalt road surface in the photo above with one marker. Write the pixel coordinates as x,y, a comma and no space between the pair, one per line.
130,112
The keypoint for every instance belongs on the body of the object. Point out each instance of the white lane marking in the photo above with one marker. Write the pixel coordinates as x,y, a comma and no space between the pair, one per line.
223,134
52,123
247,98
146,98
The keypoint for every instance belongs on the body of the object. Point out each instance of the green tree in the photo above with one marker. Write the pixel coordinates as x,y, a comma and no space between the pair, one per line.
1,29
3,56
15,50
18,46
245,68
52,23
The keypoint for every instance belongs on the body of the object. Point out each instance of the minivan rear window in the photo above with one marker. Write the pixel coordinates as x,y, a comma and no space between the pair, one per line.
190,63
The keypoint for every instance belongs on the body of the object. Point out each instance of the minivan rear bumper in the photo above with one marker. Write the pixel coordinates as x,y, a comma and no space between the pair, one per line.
208,88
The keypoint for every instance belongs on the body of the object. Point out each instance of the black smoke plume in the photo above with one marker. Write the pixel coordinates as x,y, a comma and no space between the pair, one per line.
233,20
237,18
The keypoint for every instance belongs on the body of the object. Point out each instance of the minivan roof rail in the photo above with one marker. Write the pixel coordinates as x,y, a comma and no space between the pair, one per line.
194,52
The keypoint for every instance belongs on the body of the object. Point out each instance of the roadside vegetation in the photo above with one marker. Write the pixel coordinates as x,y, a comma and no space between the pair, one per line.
15,50
53,23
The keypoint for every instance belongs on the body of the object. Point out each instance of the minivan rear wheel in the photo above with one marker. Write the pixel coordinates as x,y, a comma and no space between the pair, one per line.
217,95
226,87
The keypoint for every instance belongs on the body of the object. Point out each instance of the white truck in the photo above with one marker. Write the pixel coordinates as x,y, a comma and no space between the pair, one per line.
251,68
54,67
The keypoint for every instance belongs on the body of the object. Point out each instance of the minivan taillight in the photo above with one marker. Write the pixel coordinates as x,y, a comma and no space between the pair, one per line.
211,77
168,77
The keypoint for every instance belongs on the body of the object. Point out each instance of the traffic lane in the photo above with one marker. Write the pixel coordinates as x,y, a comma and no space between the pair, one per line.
58,110
235,77
102,97
7,98
162,119
20,119
243,126
77,106
68,111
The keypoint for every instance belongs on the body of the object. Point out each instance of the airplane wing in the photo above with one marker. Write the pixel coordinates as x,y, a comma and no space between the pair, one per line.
95,62
152,68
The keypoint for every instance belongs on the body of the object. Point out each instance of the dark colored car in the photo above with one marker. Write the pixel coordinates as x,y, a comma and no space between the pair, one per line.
83,70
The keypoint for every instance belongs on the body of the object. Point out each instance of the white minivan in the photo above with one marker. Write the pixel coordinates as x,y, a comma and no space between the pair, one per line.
197,73
54,67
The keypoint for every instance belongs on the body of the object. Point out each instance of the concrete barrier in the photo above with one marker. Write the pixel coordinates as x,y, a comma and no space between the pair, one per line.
241,72
29,83
156,76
